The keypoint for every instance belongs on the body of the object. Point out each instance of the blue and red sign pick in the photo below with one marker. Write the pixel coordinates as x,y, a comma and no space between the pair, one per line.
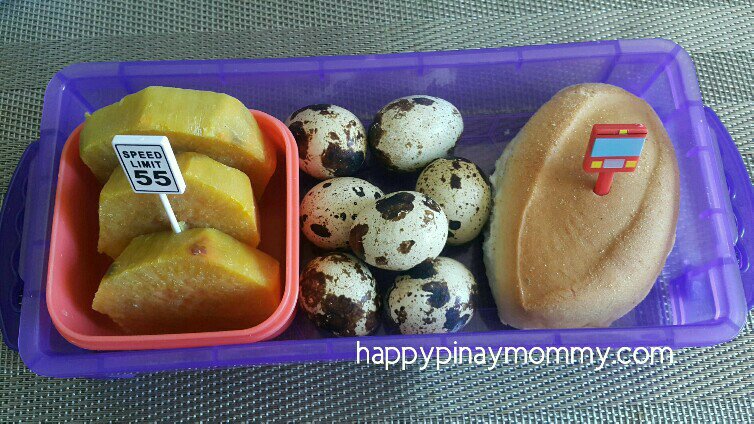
613,148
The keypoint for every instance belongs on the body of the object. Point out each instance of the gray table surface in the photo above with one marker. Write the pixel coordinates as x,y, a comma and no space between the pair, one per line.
712,384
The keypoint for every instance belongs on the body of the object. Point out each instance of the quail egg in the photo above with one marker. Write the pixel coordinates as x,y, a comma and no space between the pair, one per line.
339,294
329,209
331,140
410,132
464,193
437,296
399,231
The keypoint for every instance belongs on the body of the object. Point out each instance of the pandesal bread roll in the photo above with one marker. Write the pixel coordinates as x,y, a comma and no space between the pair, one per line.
558,255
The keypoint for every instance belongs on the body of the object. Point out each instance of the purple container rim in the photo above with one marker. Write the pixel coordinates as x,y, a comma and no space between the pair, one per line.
114,363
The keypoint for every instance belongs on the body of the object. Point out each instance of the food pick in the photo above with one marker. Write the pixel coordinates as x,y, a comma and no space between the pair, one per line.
150,165
613,148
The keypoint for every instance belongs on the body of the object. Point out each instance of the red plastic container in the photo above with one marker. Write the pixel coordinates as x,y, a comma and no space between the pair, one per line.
75,268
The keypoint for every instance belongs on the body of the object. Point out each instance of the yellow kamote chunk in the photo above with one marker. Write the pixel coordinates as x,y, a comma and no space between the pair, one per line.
198,280
216,196
214,124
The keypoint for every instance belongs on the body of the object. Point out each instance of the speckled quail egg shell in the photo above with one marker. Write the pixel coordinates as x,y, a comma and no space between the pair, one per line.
331,140
463,191
435,297
339,294
410,132
399,231
329,209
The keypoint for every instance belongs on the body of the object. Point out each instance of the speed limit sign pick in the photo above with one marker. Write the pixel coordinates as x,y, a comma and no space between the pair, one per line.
150,165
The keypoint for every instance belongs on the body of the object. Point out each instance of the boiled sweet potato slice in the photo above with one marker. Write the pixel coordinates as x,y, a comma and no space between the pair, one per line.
214,124
216,196
198,280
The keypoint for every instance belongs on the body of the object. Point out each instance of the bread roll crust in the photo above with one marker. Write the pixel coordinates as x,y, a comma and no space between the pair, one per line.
559,256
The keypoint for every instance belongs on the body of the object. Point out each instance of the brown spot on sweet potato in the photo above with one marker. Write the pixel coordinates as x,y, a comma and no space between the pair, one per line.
406,246
198,249
396,206
356,239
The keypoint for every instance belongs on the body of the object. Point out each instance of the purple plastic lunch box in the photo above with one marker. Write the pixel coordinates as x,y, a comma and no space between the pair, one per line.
701,298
